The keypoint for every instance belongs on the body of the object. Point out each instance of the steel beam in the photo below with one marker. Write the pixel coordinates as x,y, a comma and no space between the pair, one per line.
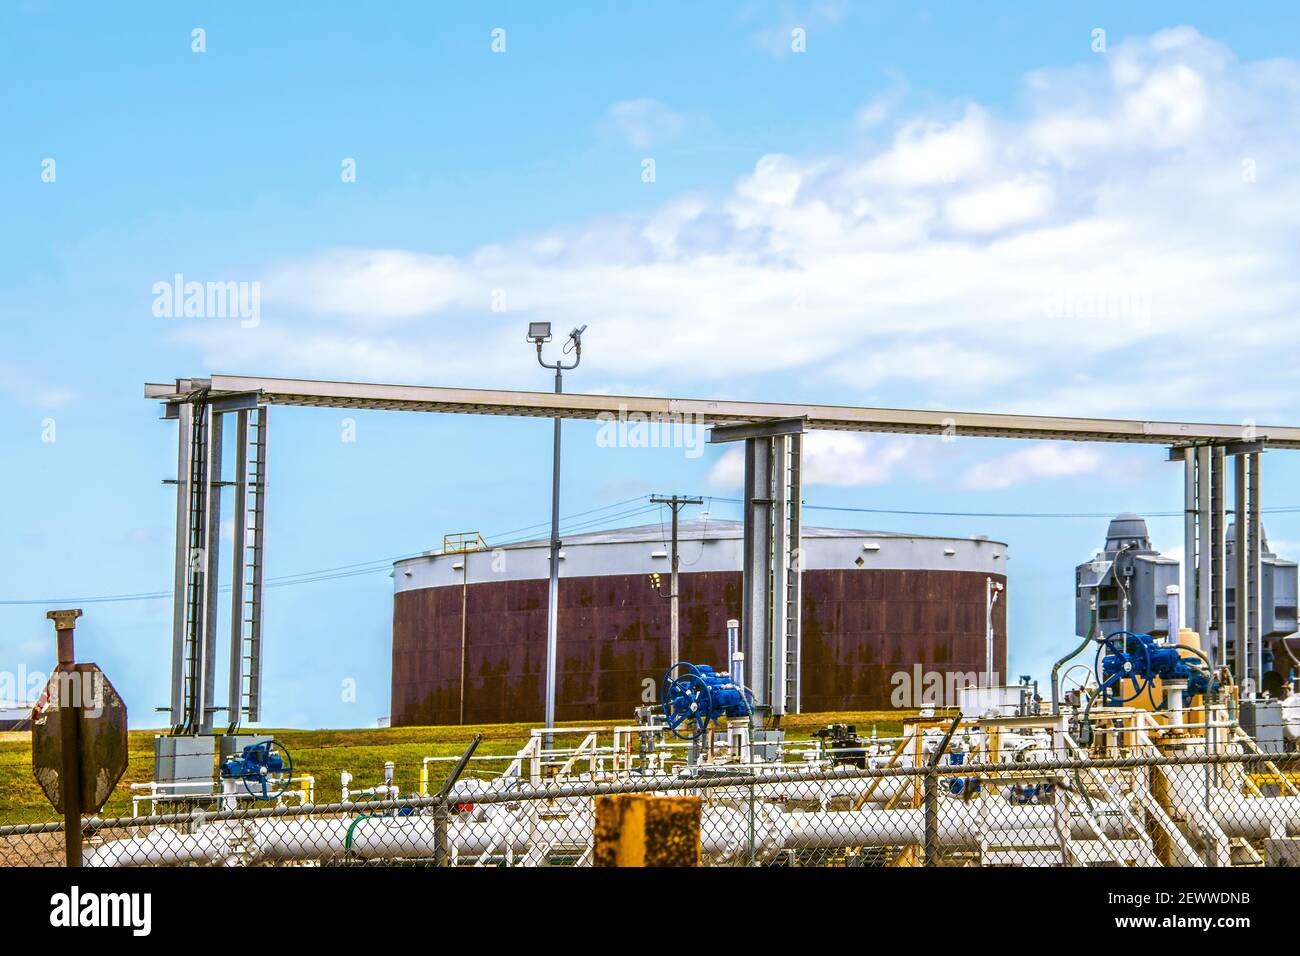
777,428
279,391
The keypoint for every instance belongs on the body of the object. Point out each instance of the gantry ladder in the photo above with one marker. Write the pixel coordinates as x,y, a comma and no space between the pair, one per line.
246,636
790,601
196,570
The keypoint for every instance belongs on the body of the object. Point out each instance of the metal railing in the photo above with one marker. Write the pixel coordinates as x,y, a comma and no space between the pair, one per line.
1182,808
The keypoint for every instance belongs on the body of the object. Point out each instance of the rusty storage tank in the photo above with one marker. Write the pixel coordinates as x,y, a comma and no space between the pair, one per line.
469,630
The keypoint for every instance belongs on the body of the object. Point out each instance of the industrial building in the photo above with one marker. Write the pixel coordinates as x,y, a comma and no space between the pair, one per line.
469,629
1133,582
15,716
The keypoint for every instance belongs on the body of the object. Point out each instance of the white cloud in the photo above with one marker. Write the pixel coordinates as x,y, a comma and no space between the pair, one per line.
774,39
646,122
934,153
829,458
31,391
1047,460
729,470
994,207
933,364
376,285
879,109
1079,259
844,458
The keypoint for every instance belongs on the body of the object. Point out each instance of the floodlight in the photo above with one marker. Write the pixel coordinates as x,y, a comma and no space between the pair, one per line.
539,332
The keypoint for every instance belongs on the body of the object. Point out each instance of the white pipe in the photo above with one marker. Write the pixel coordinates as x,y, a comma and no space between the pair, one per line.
1174,701
163,847
501,828
723,829
1242,818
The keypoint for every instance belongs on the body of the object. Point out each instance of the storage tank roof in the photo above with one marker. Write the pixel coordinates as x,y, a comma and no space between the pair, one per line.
711,544
702,529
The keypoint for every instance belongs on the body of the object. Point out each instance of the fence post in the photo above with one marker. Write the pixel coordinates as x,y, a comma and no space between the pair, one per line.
442,809
930,785
930,795
750,858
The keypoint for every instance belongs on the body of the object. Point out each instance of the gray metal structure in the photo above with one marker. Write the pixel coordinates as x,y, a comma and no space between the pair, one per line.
1269,612
1262,720
1208,577
770,604
480,401
200,418
1132,587
1202,448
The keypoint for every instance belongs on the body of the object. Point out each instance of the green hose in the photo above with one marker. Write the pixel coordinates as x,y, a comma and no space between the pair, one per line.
1056,668
347,842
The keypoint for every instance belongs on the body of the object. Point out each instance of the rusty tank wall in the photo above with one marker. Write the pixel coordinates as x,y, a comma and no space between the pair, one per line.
861,627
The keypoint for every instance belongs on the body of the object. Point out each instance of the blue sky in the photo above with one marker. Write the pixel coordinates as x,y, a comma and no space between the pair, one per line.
932,206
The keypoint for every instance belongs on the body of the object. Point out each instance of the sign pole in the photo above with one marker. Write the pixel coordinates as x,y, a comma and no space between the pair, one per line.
70,693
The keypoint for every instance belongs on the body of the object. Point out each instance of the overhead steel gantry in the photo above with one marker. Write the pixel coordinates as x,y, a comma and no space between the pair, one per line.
772,435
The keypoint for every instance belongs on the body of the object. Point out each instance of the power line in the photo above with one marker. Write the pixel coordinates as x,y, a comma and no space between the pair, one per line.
346,570
1289,509
603,514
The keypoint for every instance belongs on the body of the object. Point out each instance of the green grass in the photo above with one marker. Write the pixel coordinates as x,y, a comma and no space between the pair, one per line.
325,753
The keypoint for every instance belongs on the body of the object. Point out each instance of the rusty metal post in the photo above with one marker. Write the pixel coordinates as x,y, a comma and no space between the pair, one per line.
65,623
641,829
442,809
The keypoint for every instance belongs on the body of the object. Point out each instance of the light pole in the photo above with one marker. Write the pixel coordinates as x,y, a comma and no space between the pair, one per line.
539,332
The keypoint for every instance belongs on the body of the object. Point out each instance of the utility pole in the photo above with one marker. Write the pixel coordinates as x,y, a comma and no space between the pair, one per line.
677,502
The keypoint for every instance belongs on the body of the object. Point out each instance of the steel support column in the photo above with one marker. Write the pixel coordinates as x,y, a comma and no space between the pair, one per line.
756,599
180,576
1218,546
1241,579
771,567
780,572
794,579
235,668
253,560
1190,514
1204,547
211,573
1254,572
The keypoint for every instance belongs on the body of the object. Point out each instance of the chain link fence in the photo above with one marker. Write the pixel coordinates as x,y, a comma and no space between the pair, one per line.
1185,808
